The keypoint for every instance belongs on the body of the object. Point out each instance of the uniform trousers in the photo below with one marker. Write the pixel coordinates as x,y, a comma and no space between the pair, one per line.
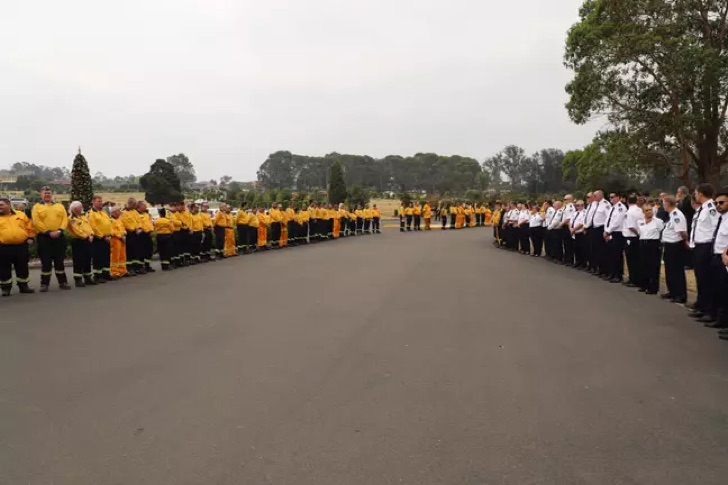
367,225
132,250
304,232
292,232
557,244
165,250
633,254
615,256
409,222
146,249
376,222
417,222
242,231
720,295
674,256
452,221
598,246
523,239
702,256
650,257
580,243
443,221
206,243
81,249
536,234
568,245
196,246
13,256
275,229
52,253
586,248
102,258
219,241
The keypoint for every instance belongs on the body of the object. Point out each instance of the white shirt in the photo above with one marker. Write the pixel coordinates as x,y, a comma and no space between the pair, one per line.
579,218
707,218
721,238
632,221
524,216
601,213
556,221
536,220
513,215
550,213
590,210
674,226
569,211
615,219
650,230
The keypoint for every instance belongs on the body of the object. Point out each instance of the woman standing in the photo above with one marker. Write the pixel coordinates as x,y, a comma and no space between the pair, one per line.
651,250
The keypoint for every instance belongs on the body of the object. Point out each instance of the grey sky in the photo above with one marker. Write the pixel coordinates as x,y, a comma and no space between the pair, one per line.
229,81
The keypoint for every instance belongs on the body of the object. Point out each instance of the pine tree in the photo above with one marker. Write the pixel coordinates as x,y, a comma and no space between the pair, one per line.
81,186
161,184
337,186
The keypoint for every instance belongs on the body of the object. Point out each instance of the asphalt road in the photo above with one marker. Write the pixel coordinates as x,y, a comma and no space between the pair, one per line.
428,358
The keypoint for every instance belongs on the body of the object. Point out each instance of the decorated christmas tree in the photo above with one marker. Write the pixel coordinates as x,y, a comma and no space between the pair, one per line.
81,186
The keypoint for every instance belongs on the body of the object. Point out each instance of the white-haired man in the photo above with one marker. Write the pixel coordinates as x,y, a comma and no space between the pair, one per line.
82,238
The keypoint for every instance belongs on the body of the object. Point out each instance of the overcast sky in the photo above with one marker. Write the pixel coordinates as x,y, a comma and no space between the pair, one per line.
229,81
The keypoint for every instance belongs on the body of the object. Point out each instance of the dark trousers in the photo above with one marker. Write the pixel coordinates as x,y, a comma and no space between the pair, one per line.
81,249
557,244
13,256
196,246
702,256
376,225
132,252
586,248
580,243
52,253
146,249
467,221
523,239
598,246
615,257
304,231
102,258
183,248
536,234
165,250
401,223
367,225
452,221
443,220
219,241
242,231
650,257
416,220
206,243
275,233
292,232
720,295
675,270
633,253
568,245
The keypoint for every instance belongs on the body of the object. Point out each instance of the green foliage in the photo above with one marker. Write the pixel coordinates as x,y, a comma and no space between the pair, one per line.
659,71
337,186
357,196
81,185
183,168
161,184
405,198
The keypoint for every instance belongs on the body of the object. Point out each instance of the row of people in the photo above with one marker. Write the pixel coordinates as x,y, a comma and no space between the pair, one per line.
460,216
599,236
109,243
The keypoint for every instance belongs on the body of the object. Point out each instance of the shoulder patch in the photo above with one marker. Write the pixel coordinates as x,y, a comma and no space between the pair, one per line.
713,212
620,209
677,219
709,204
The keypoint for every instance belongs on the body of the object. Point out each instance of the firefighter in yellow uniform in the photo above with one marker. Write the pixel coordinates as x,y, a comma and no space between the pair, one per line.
276,218
118,246
427,216
408,215
164,228
443,213
197,234
49,221
336,226
402,216
496,220
81,239
284,226
460,217
241,226
132,224
185,216
100,223
220,223
488,215
146,237
471,213
253,223
176,242
367,212
262,230
206,232
453,214
292,225
376,220
16,233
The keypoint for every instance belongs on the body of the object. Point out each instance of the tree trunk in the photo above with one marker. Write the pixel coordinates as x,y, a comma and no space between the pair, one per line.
709,162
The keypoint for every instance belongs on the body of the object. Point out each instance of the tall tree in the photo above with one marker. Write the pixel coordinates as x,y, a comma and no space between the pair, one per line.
81,186
337,186
161,184
183,168
659,70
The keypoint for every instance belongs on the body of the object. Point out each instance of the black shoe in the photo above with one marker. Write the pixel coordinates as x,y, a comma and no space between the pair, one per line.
79,284
64,286
615,280
650,292
569,265
142,271
696,314
642,290
715,324
90,282
44,288
152,270
5,292
723,336
709,321
691,306
723,331
629,284
682,301
26,290
666,296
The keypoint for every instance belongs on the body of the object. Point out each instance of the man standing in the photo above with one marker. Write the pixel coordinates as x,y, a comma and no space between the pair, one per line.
206,232
50,220
587,222
596,233
523,222
376,218
241,227
567,236
614,240
15,236
577,232
675,241
118,246
661,212
535,230
146,238
685,205
631,235
719,310
82,239
276,219
132,224
556,235
185,234
706,220
196,237
220,223
549,213
100,223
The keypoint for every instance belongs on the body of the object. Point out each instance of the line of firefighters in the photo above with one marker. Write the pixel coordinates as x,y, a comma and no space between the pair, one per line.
460,215
109,243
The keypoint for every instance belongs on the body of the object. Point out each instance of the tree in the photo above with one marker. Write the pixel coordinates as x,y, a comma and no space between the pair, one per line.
337,186
224,180
183,168
81,185
161,184
659,71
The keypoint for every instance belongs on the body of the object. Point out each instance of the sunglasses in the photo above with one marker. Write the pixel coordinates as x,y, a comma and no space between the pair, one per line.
721,202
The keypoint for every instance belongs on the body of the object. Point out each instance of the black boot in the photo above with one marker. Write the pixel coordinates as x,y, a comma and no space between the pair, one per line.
89,280
25,289
78,283
5,291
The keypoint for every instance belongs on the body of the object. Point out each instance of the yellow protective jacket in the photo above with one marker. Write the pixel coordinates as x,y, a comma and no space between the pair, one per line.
79,227
417,211
185,218
275,215
145,222
176,221
196,222
409,211
164,226
49,217
304,216
100,223
253,220
427,211
291,214
220,219
367,213
14,228
242,218
206,220
376,213
118,230
130,219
